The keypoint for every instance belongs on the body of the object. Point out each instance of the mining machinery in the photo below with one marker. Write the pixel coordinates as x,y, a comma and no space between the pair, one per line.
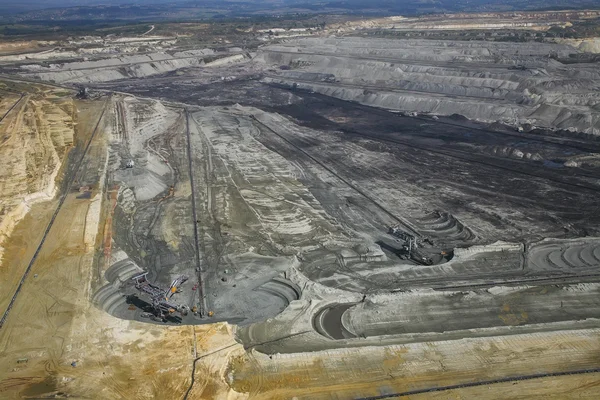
409,240
411,245
160,298
83,93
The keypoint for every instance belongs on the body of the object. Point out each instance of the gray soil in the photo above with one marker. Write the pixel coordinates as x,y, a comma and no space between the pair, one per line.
298,173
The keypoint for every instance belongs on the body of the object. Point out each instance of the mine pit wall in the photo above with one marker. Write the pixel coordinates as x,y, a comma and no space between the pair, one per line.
109,297
93,226
140,202
47,188
497,308
519,83
93,220
128,66
581,256
93,174
546,115
587,45
412,102
73,210
282,288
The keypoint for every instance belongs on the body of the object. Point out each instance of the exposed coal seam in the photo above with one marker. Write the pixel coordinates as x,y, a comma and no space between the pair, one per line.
61,201
463,156
545,140
563,142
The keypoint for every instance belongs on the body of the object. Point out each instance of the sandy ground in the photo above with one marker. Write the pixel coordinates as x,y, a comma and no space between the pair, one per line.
20,248
53,325
565,387
38,131
37,127
396,369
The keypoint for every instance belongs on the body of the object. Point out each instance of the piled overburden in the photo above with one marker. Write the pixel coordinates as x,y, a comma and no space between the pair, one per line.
515,83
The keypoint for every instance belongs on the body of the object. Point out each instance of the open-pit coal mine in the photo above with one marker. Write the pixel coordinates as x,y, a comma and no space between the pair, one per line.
342,211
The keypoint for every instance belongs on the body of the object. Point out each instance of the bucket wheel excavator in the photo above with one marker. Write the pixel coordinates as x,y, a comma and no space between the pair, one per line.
159,298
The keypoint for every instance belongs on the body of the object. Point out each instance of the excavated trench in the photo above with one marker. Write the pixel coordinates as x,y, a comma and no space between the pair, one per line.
329,322
459,313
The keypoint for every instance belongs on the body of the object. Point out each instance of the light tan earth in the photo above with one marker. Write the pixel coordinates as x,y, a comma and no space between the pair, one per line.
37,131
22,45
564,387
374,371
